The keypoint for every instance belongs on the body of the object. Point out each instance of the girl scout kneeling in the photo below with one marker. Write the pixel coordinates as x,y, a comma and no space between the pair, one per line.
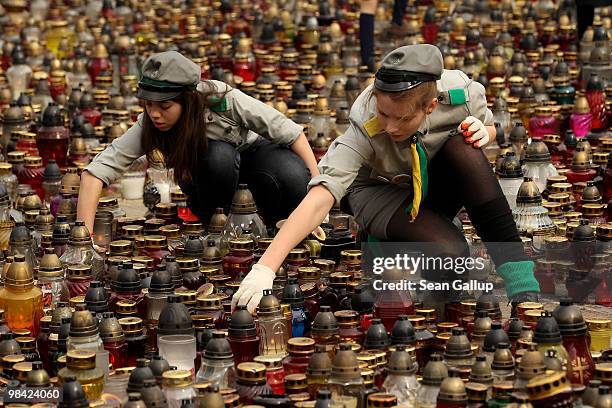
211,135
401,175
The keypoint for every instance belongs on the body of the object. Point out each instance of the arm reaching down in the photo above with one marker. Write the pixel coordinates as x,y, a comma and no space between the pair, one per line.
89,194
303,220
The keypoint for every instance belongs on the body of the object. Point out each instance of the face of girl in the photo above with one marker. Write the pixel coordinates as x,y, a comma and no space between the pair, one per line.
165,114
398,123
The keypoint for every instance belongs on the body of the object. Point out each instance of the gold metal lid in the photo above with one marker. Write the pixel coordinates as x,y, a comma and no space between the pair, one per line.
547,385
251,372
78,272
81,359
176,378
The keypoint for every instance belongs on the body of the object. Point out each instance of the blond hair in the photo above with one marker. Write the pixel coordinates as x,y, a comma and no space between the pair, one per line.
417,98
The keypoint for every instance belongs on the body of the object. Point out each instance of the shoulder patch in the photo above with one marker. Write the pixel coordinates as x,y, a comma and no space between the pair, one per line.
220,104
373,126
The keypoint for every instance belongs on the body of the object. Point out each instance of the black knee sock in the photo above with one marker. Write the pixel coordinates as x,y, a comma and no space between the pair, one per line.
399,9
366,38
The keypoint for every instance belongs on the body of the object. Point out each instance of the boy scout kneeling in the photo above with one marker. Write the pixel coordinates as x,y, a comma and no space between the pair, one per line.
402,175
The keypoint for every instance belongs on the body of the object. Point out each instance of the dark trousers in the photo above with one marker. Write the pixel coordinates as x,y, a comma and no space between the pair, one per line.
276,176
459,176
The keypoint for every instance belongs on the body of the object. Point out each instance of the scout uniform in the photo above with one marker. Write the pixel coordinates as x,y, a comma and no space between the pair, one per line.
376,173
236,119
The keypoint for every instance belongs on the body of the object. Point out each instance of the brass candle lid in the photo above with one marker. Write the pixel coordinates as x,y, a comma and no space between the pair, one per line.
598,324
188,264
339,278
121,247
251,372
270,362
209,302
147,261
476,391
603,372
351,256
241,244
187,296
547,385
125,307
557,188
347,318
21,370
131,325
295,382
155,241
327,266
132,230
81,359
176,378
381,400
170,231
368,357
446,327
309,273
298,255
78,272
301,346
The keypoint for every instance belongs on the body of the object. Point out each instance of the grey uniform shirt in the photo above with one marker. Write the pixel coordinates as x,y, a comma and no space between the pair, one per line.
239,121
385,158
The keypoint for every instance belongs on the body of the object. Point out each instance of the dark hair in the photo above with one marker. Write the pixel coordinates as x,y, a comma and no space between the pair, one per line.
184,148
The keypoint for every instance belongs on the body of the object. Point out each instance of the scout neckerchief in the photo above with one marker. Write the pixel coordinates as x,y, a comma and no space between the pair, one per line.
419,175
419,166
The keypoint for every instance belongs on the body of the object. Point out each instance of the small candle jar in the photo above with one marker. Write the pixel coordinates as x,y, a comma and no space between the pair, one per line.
300,349
239,259
132,185
243,335
82,365
32,174
275,373
251,381
114,340
135,338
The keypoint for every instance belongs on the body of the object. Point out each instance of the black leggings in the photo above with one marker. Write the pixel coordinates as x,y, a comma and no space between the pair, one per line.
276,176
460,176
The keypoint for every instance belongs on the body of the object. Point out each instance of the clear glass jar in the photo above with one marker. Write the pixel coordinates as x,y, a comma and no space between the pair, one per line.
218,363
51,280
82,365
273,328
80,251
162,179
346,380
132,185
220,373
177,386
9,179
404,387
19,76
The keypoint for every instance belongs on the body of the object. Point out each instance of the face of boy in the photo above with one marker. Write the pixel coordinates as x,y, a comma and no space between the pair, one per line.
398,123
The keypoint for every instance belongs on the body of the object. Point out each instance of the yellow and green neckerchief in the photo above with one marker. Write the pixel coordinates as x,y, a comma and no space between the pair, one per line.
419,166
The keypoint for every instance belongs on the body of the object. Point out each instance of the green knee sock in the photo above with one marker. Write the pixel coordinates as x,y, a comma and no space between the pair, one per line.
518,277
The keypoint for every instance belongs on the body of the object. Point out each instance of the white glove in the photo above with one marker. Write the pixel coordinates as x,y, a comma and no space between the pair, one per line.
474,131
251,289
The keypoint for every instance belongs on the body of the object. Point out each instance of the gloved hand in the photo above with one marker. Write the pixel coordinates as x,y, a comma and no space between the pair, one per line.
251,289
474,131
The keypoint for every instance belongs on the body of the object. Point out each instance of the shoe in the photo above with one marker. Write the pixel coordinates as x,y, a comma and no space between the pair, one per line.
521,298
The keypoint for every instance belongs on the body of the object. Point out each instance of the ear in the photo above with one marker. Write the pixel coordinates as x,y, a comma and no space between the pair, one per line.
432,105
